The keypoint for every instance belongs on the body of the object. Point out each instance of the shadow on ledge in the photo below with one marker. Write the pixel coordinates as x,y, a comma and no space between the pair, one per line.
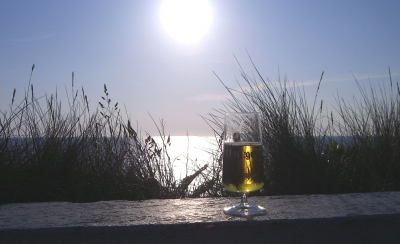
350,229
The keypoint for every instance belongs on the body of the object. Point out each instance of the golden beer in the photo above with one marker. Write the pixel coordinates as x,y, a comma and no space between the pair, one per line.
242,169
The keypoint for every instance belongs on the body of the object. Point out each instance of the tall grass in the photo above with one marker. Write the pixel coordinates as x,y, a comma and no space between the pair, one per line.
307,150
373,149
48,153
79,155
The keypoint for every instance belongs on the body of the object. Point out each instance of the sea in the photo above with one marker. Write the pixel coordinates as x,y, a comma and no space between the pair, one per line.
189,153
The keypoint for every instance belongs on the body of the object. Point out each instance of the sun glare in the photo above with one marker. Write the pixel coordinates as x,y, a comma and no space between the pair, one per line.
187,21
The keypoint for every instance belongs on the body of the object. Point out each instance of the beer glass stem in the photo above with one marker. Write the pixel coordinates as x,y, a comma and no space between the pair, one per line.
244,202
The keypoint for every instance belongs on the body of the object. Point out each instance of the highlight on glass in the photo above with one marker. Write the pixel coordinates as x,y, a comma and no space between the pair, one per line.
243,161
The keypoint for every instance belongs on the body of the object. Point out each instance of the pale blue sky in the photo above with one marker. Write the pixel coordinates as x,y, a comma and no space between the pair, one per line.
122,44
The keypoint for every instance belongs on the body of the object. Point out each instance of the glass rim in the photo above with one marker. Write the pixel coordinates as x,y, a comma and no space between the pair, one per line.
233,121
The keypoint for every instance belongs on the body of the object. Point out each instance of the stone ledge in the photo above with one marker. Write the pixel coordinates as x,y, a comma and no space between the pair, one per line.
357,229
343,218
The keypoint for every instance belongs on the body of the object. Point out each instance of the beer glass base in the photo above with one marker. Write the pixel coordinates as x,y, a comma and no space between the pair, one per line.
246,212
244,209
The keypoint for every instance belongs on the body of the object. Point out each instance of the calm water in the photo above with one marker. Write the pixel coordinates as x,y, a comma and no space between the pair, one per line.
192,151
188,152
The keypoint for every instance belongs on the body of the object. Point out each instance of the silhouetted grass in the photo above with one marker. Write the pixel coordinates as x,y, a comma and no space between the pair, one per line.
308,151
80,155
371,153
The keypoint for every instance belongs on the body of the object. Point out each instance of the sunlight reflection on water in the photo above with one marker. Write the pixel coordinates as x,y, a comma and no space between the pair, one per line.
189,150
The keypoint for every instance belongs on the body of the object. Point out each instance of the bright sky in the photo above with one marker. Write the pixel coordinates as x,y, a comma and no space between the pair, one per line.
148,66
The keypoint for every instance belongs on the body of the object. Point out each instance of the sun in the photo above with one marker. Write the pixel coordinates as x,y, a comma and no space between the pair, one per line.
187,21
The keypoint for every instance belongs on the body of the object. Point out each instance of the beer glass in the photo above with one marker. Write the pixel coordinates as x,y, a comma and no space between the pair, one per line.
243,164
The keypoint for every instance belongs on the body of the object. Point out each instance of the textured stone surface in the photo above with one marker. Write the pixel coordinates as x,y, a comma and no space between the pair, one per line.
174,211
373,217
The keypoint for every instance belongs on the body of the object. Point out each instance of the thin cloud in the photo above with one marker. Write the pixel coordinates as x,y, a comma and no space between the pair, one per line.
315,82
349,78
207,97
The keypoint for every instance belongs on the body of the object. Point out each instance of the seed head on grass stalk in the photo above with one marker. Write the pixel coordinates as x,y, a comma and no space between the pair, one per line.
308,153
289,131
76,155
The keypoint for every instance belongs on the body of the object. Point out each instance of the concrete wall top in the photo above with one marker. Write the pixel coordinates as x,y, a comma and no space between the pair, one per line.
200,210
